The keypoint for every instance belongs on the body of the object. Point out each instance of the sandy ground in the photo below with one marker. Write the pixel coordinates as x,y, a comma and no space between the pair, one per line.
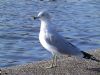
65,66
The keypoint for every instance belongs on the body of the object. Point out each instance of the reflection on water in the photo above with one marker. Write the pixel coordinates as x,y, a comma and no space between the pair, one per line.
77,21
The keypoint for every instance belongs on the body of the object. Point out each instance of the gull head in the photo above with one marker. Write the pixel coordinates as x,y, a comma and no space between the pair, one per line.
43,15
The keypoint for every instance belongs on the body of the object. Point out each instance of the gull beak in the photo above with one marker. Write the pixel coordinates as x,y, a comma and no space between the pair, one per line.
34,17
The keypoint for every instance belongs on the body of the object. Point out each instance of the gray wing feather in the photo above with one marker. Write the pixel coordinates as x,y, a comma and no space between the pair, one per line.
62,45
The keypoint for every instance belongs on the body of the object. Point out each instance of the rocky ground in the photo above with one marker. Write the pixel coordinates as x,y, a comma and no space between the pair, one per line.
66,66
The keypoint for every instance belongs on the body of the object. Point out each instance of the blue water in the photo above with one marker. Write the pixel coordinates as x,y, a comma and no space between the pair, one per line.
77,20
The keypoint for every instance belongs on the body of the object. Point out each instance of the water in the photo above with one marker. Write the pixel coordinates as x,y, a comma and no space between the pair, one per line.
77,20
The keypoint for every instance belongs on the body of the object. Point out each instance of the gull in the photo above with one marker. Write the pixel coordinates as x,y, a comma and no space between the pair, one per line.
52,41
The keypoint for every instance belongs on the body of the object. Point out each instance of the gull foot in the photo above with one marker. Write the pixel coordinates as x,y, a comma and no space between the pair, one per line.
51,66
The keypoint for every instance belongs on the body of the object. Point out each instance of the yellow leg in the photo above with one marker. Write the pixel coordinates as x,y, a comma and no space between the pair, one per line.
54,62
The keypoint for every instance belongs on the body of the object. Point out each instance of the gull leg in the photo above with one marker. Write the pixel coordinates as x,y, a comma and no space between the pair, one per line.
54,62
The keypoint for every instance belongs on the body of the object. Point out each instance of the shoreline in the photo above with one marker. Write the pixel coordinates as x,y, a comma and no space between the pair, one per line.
65,66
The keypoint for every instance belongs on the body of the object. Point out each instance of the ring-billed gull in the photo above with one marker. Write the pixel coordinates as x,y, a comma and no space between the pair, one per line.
52,41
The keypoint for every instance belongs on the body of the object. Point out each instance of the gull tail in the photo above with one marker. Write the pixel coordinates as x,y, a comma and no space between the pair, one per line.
89,56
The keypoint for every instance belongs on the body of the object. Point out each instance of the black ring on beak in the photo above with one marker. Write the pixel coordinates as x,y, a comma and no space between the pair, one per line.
34,17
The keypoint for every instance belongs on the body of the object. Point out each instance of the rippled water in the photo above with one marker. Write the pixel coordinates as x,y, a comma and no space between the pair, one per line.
77,20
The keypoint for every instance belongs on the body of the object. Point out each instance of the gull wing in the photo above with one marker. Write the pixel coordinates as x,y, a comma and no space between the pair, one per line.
61,45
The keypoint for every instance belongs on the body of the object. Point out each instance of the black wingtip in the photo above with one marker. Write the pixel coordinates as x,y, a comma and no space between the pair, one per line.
95,59
89,56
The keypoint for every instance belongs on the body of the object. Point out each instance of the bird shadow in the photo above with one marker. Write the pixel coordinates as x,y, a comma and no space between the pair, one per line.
94,69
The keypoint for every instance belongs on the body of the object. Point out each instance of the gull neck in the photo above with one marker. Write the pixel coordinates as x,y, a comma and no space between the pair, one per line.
45,25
